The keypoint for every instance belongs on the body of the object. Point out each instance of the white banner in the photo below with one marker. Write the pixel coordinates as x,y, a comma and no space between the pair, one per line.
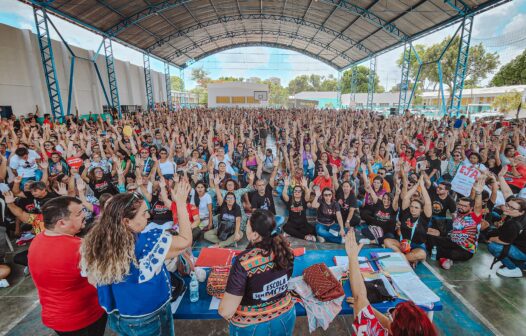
464,179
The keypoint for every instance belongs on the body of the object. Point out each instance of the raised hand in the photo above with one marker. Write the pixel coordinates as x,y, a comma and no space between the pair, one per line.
9,197
61,189
81,185
181,192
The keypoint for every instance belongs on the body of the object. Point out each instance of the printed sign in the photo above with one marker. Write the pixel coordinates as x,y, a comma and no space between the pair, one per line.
464,179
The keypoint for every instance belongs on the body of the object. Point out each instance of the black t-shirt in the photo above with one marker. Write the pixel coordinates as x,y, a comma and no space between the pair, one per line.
297,211
259,282
441,206
346,204
229,215
263,202
103,186
34,205
407,223
160,212
512,232
319,168
433,164
384,218
327,212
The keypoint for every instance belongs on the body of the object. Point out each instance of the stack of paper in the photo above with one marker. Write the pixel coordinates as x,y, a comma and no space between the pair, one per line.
414,289
396,263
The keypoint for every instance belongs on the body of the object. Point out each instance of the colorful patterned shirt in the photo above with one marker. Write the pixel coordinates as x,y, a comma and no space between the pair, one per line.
466,230
263,287
366,324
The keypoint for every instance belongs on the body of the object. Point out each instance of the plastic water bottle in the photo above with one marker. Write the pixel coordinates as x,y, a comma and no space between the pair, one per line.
194,288
434,253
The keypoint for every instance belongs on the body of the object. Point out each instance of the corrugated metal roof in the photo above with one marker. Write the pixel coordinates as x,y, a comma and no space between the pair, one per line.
337,32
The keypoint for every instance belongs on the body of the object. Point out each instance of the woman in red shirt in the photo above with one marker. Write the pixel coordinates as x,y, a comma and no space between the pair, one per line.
405,319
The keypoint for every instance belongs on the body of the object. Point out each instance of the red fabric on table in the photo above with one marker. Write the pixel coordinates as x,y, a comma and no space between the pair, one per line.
214,256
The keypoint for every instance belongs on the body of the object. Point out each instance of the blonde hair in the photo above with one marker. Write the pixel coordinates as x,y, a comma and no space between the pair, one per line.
108,250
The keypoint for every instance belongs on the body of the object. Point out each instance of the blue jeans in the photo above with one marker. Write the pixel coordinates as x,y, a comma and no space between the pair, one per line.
282,325
280,220
160,323
322,230
515,258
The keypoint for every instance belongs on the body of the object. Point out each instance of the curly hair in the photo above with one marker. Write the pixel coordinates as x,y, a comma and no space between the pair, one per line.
108,250
263,222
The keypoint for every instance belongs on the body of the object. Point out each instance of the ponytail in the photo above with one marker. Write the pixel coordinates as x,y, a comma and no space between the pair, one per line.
272,241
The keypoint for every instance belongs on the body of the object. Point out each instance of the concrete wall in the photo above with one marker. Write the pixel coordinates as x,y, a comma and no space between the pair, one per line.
234,89
23,86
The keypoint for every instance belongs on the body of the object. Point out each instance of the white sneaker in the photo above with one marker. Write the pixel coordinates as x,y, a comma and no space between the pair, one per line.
510,273
4,283
321,239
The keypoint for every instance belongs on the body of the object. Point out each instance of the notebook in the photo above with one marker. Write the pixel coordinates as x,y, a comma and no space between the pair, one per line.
210,257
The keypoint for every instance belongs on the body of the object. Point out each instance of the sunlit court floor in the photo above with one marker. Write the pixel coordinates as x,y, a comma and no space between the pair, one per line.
476,302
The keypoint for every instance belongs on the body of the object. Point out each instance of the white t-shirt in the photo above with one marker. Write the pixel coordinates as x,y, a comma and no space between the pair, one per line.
25,168
203,204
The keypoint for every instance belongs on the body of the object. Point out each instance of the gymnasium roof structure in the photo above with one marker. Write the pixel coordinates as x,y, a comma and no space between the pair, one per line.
339,33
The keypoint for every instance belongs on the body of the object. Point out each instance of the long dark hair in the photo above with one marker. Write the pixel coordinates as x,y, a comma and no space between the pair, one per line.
197,200
263,222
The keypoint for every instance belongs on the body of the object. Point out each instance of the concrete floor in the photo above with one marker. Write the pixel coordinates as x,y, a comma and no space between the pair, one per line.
476,302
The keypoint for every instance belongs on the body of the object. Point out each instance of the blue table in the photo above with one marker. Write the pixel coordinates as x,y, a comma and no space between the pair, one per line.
200,309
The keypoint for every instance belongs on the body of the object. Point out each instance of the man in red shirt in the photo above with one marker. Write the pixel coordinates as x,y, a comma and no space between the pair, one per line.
70,305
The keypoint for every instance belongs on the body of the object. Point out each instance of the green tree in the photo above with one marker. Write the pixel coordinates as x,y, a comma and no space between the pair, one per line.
278,95
507,102
200,75
176,83
513,73
480,63
229,79
362,84
300,84
329,84
202,94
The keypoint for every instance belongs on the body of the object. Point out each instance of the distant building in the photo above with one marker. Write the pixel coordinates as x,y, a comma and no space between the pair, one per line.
239,94
478,96
329,99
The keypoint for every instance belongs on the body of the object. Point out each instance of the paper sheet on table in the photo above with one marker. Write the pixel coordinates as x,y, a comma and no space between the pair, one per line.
344,262
411,286
396,263
174,305
214,303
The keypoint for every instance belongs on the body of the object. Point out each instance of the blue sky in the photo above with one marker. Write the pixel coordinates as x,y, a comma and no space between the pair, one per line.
500,30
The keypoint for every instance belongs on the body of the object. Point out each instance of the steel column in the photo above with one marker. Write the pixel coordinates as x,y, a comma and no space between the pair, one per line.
112,76
182,97
462,63
404,82
48,62
148,81
371,83
441,88
354,82
339,91
168,82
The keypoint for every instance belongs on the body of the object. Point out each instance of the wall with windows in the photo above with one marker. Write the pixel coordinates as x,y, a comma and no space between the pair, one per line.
23,85
239,94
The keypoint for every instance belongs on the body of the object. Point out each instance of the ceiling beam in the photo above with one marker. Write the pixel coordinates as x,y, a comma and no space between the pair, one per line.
262,33
223,19
264,44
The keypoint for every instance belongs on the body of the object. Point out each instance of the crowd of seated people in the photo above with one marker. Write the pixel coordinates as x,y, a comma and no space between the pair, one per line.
390,179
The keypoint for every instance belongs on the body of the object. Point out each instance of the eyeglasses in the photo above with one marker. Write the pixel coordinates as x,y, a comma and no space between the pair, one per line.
325,195
134,197
163,153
